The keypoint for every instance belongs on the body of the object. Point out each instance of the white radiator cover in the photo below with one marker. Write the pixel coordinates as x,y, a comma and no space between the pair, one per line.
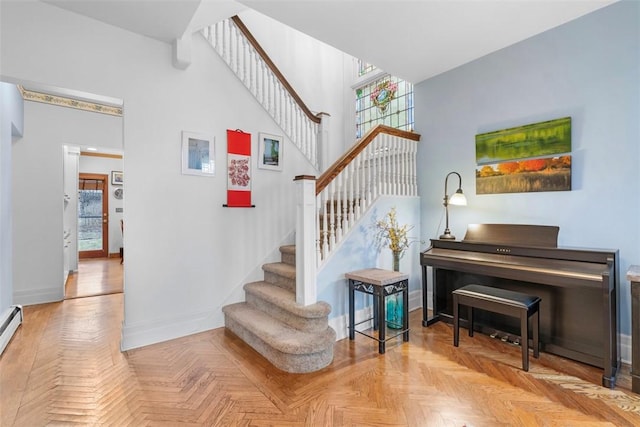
9,322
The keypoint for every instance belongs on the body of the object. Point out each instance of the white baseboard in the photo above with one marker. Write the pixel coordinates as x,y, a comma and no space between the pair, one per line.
38,296
160,330
625,348
10,319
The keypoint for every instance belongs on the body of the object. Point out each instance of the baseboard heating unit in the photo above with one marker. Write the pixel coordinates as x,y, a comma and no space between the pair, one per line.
9,322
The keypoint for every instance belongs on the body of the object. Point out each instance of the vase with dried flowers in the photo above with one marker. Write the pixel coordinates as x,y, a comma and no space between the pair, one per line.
394,236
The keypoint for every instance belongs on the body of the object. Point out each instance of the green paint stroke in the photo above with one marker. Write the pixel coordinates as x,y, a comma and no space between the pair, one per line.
538,139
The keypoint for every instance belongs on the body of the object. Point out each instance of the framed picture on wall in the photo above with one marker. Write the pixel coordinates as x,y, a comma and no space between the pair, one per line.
270,152
198,154
117,178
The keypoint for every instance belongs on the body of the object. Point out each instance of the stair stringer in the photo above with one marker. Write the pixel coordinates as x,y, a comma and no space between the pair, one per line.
235,293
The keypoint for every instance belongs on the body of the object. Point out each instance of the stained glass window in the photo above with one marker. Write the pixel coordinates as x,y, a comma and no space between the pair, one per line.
387,100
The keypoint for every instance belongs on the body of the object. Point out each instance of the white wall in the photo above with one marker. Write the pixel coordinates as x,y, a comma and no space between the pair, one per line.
187,256
105,165
11,128
38,193
588,69
320,74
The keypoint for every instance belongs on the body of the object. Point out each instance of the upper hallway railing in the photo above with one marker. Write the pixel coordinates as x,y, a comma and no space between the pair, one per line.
243,54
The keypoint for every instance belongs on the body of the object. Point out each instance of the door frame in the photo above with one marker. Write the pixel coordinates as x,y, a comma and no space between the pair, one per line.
104,253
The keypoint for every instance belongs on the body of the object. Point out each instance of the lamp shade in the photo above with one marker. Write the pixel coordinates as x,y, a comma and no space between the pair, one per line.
458,198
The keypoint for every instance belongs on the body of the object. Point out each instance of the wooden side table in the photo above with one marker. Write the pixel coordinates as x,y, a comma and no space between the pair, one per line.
379,283
633,275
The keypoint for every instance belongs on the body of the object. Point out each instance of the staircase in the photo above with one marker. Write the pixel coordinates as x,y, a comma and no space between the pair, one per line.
291,329
292,337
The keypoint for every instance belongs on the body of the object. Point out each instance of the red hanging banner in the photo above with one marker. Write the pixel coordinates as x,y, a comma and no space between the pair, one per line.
238,169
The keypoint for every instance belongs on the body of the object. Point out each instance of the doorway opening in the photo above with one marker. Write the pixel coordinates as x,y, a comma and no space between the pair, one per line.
93,216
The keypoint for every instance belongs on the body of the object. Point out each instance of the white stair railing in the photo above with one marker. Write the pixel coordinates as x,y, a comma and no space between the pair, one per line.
386,165
245,57
383,162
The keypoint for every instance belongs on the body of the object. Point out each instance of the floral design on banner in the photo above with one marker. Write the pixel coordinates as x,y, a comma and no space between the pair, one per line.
383,94
239,172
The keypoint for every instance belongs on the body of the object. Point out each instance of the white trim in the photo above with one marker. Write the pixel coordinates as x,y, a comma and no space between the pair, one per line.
625,348
39,296
12,326
306,229
160,330
369,78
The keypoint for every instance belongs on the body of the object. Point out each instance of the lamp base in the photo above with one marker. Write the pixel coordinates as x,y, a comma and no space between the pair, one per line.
447,236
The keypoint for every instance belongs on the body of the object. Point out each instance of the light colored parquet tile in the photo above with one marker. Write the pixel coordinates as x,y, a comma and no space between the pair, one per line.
63,368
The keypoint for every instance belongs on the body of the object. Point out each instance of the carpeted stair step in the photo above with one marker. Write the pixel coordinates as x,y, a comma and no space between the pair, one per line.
288,254
280,274
281,304
287,348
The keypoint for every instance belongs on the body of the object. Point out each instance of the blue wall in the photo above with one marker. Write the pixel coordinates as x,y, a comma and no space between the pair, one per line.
588,69
359,251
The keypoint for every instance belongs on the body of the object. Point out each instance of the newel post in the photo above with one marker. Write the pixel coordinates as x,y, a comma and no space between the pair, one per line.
305,239
323,141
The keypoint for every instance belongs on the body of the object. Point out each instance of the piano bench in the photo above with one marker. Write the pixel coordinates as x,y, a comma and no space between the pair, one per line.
501,301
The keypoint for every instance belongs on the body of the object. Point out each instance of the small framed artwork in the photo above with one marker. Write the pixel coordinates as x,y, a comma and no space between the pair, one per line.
117,178
270,152
198,154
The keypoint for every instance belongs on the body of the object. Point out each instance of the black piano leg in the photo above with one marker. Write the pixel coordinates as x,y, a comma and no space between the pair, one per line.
456,321
524,341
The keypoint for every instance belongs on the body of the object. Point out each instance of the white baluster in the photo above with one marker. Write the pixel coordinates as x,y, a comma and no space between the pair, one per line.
223,40
332,217
252,63
339,217
285,112
233,53
400,160
396,168
357,186
388,177
263,84
351,199
244,63
325,224
407,168
392,166
319,230
345,201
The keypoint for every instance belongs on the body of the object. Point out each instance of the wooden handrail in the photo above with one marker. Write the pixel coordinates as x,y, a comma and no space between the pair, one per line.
252,40
339,165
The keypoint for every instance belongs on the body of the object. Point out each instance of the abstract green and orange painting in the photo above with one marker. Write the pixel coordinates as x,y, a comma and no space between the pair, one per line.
529,158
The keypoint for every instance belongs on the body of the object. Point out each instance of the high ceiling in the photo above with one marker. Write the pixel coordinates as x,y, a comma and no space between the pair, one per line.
413,39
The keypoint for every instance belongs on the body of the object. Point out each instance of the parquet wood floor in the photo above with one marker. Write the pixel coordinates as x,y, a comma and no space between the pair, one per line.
95,276
64,367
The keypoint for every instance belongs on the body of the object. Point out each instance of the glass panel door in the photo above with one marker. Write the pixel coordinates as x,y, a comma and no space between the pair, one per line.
93,221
